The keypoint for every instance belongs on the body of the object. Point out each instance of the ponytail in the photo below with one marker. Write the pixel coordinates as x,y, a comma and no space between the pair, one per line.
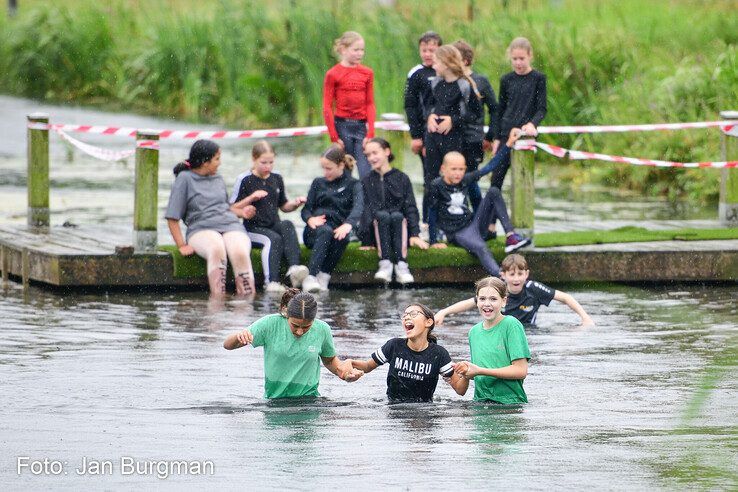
474,87
450,56
202,151
338,156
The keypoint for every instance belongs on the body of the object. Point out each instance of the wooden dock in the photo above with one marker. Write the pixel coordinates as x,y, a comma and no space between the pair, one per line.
86,256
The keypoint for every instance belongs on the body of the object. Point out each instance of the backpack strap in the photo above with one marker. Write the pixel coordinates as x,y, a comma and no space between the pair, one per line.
465,88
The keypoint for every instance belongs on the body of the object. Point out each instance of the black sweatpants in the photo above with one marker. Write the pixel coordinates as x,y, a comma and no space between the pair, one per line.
276,242
327,251
390,232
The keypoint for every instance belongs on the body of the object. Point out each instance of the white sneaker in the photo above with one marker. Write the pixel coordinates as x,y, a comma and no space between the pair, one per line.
323,280
297,274
274,287
402,273
384,273
310,284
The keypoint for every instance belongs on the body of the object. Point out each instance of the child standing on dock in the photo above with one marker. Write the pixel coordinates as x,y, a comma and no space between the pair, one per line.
525,296
522,100
390,213
333,209
414,361
455,98
499,349
349,86
476,141
265,190
449,199
294,345
199,198
418,98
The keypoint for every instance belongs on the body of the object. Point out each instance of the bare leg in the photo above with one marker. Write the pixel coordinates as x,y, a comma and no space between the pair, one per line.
238,246
209,245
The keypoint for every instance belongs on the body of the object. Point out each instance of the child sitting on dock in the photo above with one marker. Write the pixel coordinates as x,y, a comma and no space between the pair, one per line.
199,198
414,361
450,201
265,190
390,213
333,208
294,345
525,296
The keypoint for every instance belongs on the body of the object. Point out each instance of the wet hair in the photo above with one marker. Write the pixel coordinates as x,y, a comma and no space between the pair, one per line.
429,314
450,56
520,44
467,52
514,261
496,283
451,154
347,39
287,297
385,145
338,156
202,151
430,37
302,306
260,148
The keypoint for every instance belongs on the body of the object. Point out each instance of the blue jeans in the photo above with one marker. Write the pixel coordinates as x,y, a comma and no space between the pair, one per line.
352,133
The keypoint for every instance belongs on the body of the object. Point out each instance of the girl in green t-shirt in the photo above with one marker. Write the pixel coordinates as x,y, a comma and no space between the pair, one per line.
295,343
499,349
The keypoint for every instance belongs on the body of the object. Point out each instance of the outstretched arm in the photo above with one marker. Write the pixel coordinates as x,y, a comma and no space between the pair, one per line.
238,340
518,369
569,300
459,307
365,366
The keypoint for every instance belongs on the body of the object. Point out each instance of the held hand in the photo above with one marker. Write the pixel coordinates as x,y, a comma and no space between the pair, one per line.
418,243
352,375
367,248
432,124
317,221
471,370
445,125
248,212
439,245
416,145
530,130
495,145
488,146
342,231
257,195
186,250
461,368
245,337
514,136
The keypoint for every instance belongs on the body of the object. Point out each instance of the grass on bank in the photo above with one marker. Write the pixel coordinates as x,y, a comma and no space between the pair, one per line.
355,260
246,63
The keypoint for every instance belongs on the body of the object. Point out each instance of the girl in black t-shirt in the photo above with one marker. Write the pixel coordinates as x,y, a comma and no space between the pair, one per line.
415,361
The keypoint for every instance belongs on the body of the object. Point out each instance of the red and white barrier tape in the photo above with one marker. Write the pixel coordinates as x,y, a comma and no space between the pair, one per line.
580,155
106,154
728,127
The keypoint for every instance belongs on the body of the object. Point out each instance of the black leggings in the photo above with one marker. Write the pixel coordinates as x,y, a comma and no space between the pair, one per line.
327,251
390,232
276,242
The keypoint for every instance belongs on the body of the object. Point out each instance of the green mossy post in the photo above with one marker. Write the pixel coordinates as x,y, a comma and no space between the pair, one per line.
728,207
146,198
523,194
38,169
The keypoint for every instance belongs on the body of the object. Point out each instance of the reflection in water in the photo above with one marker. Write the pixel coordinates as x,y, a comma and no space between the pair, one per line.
498,429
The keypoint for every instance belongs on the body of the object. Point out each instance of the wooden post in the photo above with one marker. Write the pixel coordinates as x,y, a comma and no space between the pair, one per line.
523,193
12,8
728,207
25,269
38,170
146,193
4,263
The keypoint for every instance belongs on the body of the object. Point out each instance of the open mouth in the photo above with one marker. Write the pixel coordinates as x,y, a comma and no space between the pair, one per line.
409,326
488,311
